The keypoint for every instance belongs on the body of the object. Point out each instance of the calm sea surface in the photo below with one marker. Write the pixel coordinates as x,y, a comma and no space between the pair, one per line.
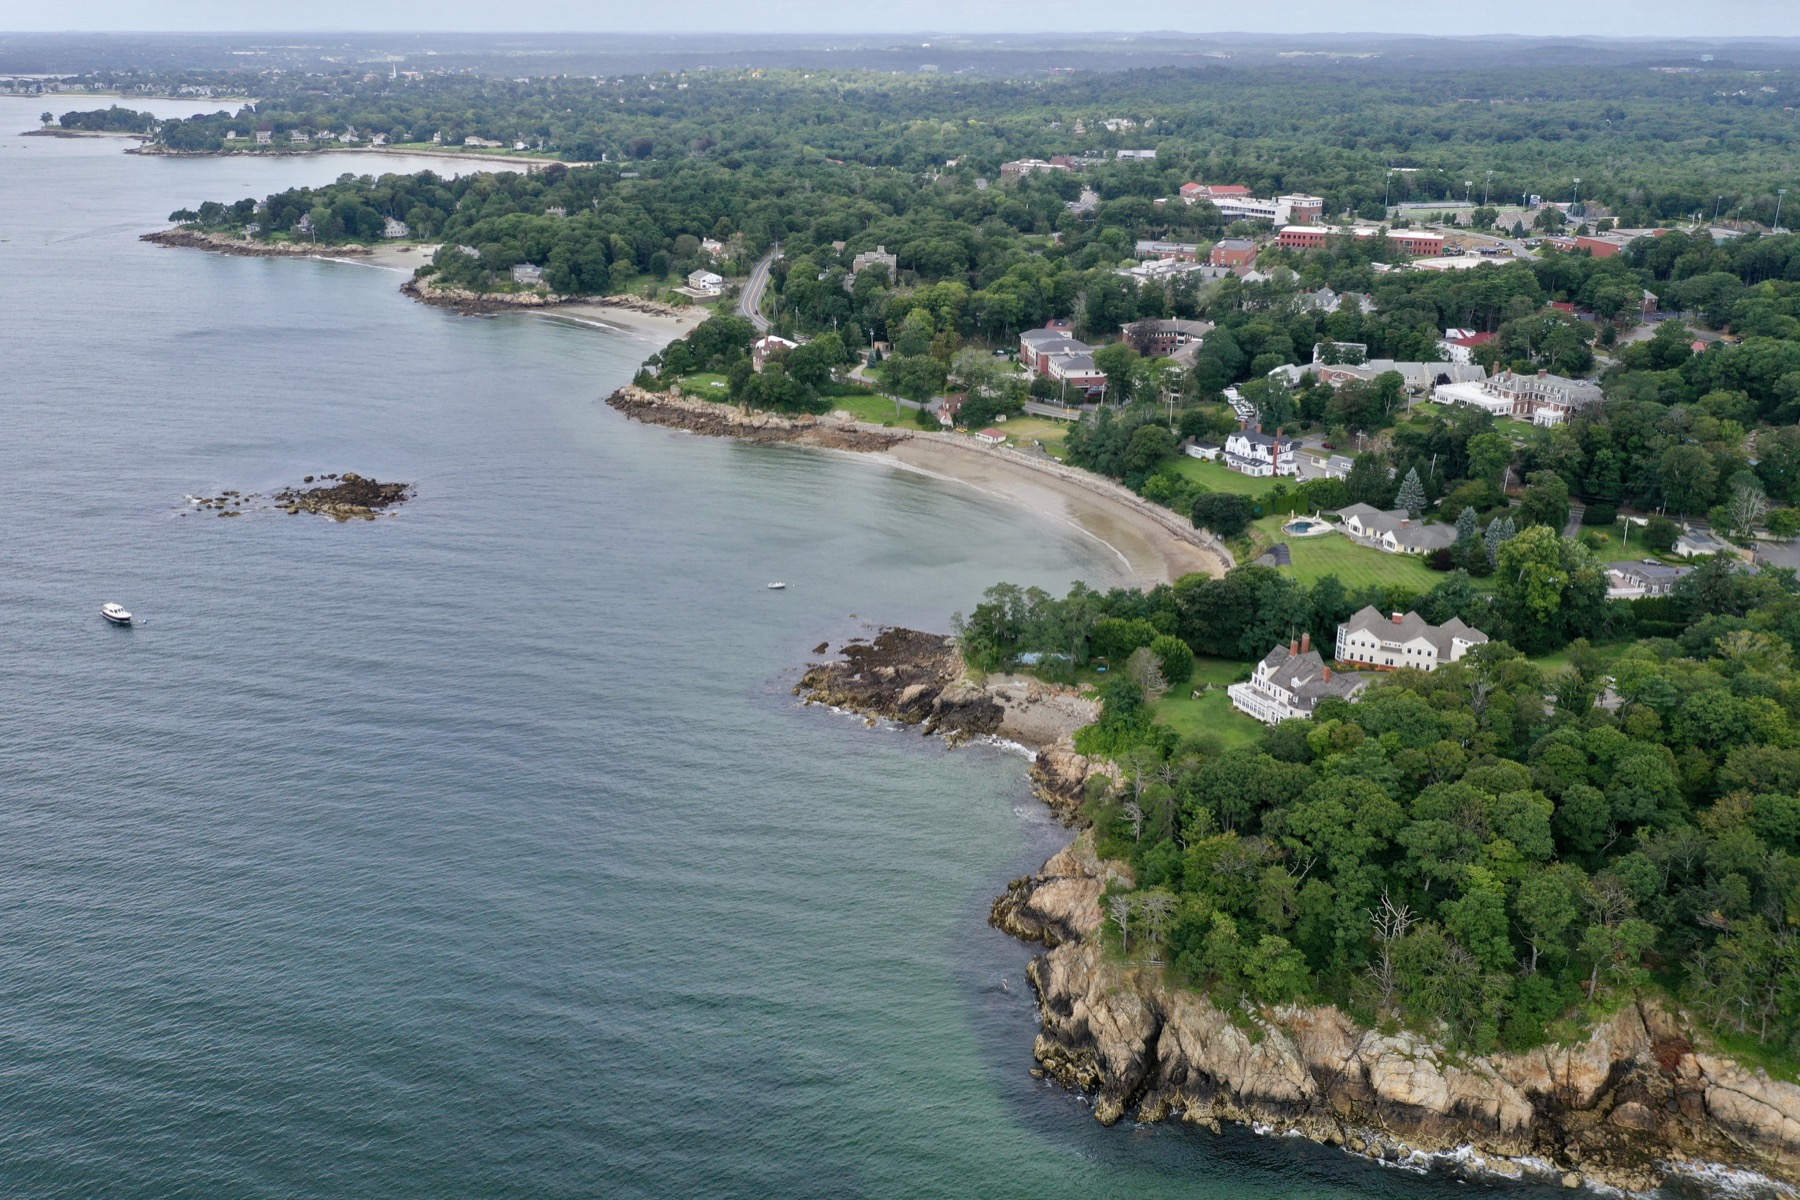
481,851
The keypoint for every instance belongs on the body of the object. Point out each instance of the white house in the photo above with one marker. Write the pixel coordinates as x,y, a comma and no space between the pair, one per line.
1699,543
394,227
1250,452
706,283
1209,451
1289,682
1403,640
1394,532
528,274
991,437
1543,398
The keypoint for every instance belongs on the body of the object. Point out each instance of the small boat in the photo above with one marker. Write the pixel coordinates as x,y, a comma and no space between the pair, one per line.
115,613
776,587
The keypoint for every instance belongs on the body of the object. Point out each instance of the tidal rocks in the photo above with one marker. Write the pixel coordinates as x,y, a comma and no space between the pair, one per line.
340,497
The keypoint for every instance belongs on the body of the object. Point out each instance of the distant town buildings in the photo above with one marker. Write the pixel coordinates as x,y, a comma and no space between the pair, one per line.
1235,203
1160,338
1417,243
1051,353
1233,252
878,257
1403,640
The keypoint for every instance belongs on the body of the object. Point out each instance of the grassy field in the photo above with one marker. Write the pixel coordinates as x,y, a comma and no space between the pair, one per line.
706,384
876,409
1354,565
1022,431
1211,711
1214,477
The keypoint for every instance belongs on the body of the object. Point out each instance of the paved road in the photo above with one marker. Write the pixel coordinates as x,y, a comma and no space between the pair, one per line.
1038,408
750,299
1577,510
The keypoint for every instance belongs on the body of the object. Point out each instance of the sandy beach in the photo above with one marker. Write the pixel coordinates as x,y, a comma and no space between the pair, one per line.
1146,546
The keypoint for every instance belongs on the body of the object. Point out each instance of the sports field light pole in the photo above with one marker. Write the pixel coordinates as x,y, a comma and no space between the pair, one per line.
1486,188
1780,195
1575,201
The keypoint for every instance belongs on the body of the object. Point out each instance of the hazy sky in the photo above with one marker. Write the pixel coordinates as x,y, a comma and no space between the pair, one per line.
1718,18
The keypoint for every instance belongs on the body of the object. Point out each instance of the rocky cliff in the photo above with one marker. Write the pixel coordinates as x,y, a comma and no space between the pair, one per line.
1629,1106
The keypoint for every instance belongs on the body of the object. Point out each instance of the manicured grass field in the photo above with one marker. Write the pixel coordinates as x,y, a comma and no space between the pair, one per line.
1211,712
1354,565
1214,476
707,385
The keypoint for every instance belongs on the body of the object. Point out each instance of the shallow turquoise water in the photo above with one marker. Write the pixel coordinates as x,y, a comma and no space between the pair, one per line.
481,851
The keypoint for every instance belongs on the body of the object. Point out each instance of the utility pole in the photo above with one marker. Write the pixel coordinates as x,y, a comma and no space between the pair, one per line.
1716,202
1575,202
1780,195
1486,188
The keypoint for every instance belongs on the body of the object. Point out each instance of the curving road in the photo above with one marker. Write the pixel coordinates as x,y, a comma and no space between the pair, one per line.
750,298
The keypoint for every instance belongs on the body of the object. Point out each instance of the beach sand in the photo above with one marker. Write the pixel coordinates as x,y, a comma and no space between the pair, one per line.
1148,550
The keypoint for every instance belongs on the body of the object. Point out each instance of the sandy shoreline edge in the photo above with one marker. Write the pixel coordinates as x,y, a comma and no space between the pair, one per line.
1152,545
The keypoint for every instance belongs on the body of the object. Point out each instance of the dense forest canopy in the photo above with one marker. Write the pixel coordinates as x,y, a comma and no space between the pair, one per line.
1652,145
1482,849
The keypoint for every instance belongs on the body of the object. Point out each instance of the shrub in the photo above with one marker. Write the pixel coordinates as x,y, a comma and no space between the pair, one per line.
1176,658
1599,514
1225,513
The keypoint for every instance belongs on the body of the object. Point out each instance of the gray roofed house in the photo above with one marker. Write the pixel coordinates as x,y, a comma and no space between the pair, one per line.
1289,682
1645,577
1702,543
1397,640
1395,532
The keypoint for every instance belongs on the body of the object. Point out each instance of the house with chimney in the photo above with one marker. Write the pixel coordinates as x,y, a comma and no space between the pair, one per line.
769,346
1395,532
1388,643
1543,399
1290,681
1255,453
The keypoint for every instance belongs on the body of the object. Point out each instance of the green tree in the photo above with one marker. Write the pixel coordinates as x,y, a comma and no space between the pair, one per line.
1411,496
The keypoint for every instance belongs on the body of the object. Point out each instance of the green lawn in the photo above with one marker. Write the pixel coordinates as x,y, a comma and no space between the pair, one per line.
1211,711
1354,565
1022,431
706,384
1609,653
878,410
1215,476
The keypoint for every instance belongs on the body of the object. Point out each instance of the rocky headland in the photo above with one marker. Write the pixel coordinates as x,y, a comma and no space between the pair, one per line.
221,243
471,303
1641,1100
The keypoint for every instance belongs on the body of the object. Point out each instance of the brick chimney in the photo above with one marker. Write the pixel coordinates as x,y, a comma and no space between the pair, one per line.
1305,642
1399,617
1293,647
1326,678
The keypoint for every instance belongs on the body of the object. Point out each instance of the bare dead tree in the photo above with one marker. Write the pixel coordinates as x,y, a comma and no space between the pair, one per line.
1134,813
1391,921
1120,907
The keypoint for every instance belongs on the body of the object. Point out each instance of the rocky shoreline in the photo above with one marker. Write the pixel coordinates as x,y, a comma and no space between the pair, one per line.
1640,1101
221,243
712,419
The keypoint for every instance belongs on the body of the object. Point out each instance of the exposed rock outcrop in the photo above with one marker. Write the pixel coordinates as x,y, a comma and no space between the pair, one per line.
713,419
221,243
1624,1107
340,497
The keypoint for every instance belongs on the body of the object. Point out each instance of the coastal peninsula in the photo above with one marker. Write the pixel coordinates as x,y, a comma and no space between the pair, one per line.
1639,1098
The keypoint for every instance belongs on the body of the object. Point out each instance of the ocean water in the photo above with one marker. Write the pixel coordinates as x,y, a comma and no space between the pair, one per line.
482,850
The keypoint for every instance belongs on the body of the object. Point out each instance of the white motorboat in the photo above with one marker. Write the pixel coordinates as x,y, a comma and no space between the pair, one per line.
115,613
776,587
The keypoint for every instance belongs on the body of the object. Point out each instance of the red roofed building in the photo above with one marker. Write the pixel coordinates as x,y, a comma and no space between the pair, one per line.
991,437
